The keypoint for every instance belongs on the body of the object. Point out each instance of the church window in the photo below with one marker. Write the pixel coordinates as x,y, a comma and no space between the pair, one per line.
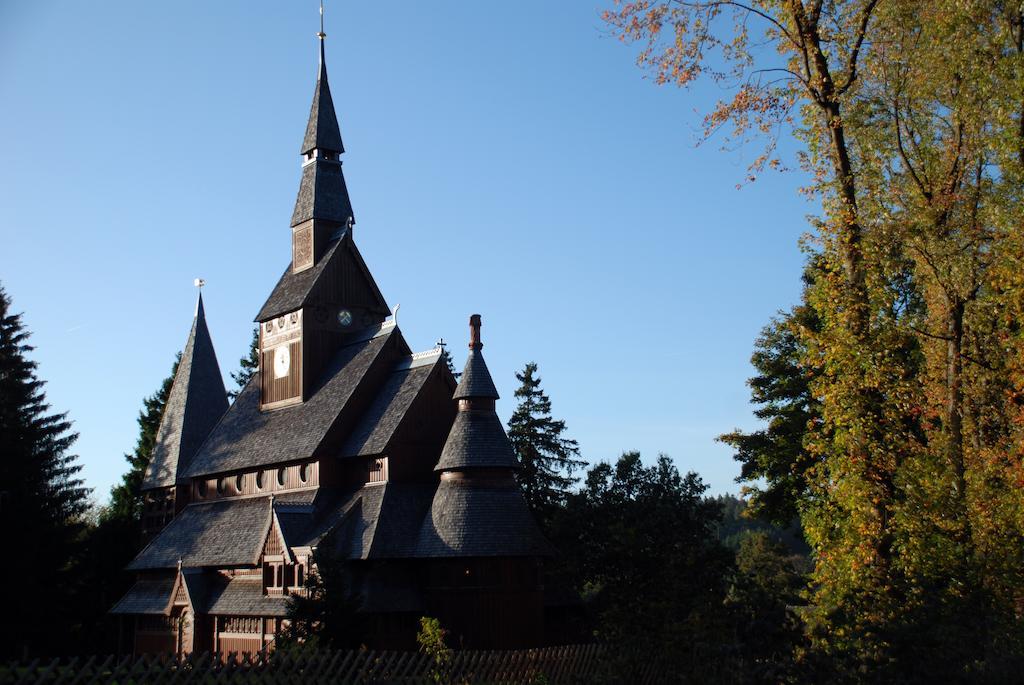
376,471
202,488
220,486
239,483
304,473
281,473
259,480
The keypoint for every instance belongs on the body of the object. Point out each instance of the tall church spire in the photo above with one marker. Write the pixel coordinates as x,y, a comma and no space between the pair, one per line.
322,207
196,402
322,131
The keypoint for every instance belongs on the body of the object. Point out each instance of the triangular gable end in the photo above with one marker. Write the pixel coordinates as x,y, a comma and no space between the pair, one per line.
274,543
179,595
347,280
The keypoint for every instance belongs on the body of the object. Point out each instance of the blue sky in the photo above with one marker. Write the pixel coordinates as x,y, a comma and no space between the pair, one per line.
503,158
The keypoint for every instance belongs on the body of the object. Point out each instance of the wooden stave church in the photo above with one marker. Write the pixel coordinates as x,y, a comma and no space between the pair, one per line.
343,439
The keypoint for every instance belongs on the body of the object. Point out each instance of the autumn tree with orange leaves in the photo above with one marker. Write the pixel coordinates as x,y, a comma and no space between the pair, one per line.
910,119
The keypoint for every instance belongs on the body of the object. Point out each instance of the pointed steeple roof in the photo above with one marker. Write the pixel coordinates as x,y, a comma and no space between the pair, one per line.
196,402
477,438
322,131
478,509
323,193
476,379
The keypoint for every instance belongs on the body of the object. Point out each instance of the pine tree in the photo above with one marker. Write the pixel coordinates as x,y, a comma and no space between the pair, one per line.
126,496
42,498
247,365
548,460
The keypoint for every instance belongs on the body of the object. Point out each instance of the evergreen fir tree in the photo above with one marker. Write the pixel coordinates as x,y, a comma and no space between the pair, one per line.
548,460
42,499
126,496
247,365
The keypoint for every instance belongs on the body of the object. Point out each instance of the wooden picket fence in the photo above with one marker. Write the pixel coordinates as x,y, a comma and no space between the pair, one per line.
568,664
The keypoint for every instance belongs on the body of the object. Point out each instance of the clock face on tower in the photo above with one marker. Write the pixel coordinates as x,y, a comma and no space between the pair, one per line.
282,361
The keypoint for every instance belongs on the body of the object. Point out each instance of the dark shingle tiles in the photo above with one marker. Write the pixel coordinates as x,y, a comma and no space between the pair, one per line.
247,437
472,520
243,596
196,402
147,596
322,131
375,429
293,289
323,193
476,379
223,534
477,439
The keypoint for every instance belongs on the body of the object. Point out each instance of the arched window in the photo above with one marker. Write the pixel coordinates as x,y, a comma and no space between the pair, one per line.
259,480
281,473
304,473
239,483
220,486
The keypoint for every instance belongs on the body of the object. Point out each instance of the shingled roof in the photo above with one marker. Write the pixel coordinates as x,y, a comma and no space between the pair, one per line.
323,193
322,131
222,533
196,402
243,596
377,427
147,596
476,379
477,439
473,520
340,264
247,437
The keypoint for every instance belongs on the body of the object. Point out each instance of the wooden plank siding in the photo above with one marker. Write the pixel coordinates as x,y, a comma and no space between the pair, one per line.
276,392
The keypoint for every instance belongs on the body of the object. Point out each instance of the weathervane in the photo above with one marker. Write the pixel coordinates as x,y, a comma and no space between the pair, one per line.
321,35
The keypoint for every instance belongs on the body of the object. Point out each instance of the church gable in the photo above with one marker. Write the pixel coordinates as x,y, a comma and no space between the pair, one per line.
339,278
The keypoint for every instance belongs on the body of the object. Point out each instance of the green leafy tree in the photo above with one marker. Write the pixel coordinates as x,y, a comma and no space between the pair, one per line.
774,461
42,500
431,640
642,543
548,460
247,365
765,593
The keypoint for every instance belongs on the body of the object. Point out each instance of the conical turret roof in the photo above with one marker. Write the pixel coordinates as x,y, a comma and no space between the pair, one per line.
196,402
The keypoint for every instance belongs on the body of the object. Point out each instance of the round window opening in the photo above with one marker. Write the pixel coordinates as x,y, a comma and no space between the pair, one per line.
280,475
220,486
239,482
259,480
304,473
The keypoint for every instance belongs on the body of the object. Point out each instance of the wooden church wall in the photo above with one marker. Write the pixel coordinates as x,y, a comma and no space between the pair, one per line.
487,603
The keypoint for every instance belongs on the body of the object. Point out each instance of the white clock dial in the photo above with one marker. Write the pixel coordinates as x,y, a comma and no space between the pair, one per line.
282,361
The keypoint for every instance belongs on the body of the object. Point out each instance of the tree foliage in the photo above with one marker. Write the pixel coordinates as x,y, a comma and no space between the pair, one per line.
126,496
42,499
642,544
247,365
547,459
907,476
